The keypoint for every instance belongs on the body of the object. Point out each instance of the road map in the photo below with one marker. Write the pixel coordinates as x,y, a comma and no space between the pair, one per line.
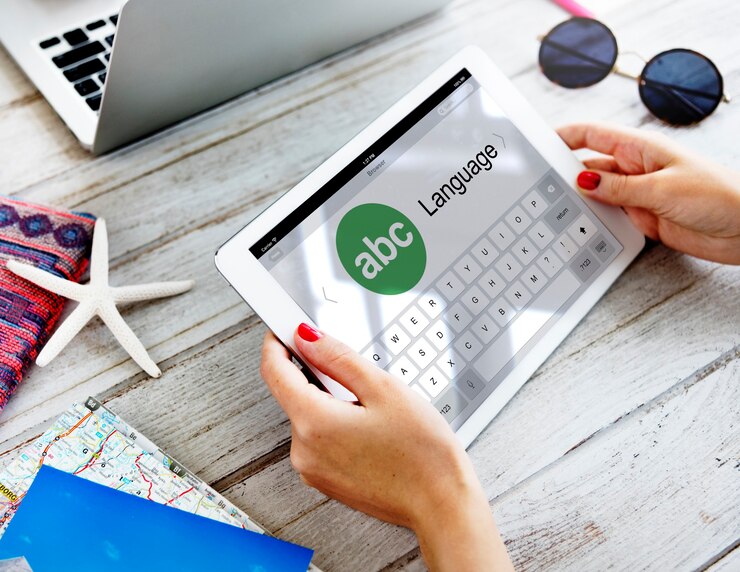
92,442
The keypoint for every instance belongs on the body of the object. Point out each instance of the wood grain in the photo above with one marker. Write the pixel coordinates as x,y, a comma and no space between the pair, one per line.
621,451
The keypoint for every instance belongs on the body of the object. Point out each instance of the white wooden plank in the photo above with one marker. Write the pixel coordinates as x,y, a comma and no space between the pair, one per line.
655,491
651,492
729,562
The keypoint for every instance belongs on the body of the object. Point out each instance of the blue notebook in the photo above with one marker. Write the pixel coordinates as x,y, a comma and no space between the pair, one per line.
68,523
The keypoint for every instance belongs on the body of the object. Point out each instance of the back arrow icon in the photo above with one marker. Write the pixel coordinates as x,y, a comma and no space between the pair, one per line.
323,289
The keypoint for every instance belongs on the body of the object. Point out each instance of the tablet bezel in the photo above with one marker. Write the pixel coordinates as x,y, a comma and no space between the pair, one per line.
282,314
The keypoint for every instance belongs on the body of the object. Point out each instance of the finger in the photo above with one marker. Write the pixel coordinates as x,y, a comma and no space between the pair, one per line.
339,361
286,382
602,164
629,146
621,190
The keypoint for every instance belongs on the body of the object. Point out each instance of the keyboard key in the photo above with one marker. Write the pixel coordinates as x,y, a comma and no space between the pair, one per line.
433,381
584,265
484,252
475,301
508,266
95,25
500,352
404,370
565,247
501,235
467,345
534,204
94,102
78,54
549,189
432,303
602,247
485,328
467,268
414,320
518,220
107,57
86,87
562,215
502,312
75,37
582,230
451,404
518,295
440,334
421,392
491,283
114,19
470,384
102,76
422,353
84,70
457,317
378,355
395,339
541,235
534,279
550,263
451,286
46,44
109,39
525,251
451,363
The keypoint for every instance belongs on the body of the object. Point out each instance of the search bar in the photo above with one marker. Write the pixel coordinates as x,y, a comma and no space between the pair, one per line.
455,99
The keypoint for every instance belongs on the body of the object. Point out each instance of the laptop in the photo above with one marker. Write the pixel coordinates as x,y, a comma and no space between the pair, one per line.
117,70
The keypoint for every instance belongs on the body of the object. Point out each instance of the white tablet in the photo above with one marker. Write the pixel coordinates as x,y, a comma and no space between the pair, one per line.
444,243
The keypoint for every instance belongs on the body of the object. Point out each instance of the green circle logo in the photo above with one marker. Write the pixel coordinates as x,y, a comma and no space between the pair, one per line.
381,249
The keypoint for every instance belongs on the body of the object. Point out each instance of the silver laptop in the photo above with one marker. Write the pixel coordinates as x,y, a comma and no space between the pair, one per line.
117,70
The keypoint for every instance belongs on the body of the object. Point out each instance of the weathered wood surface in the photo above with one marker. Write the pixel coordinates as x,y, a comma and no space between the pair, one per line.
623,450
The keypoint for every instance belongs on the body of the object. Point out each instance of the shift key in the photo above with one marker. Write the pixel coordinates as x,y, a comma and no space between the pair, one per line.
562,214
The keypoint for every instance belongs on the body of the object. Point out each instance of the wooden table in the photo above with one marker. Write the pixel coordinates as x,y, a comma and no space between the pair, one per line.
622,451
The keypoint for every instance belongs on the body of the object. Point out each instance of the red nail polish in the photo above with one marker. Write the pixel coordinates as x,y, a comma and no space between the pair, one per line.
308,333
589,180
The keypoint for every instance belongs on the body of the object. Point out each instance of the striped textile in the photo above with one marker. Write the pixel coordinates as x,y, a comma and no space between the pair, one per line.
56,241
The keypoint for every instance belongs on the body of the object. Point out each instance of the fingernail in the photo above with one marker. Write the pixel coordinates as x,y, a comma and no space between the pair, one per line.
308,333
589,180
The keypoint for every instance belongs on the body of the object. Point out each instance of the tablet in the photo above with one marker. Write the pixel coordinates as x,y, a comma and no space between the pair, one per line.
444,243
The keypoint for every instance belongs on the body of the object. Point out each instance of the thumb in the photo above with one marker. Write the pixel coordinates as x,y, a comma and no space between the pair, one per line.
338,361
619,189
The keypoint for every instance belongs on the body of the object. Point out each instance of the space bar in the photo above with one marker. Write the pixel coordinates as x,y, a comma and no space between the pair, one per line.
526,325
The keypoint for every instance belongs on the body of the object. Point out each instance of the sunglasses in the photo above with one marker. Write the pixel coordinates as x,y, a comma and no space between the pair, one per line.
679,86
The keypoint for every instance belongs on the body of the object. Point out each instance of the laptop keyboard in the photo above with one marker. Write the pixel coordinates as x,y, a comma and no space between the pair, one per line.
82,56
488,304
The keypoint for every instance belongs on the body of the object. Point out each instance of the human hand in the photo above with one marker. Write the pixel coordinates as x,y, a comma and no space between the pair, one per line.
671,195
391,456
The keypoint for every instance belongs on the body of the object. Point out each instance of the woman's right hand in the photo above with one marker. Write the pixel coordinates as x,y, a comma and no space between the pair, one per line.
391,455
671,195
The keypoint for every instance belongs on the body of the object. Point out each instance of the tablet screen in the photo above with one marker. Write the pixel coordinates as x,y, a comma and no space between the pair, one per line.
442,251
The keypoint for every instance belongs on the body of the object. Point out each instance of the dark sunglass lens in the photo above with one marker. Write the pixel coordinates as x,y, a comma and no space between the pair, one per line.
578,53
681,86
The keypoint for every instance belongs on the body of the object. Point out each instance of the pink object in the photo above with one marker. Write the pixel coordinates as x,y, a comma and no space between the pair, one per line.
574,8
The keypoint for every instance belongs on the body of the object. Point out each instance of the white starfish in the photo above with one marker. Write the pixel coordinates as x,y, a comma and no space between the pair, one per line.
97,297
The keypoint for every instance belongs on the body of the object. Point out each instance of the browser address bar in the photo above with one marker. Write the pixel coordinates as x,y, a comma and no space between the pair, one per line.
455,99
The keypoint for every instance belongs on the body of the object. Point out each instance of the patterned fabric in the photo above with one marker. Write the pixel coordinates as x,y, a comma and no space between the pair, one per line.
55,241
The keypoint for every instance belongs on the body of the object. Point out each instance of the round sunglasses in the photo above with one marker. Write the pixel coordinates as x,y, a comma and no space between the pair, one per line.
679,86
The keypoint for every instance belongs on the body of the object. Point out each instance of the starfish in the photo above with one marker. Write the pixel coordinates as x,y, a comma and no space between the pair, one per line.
97,297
